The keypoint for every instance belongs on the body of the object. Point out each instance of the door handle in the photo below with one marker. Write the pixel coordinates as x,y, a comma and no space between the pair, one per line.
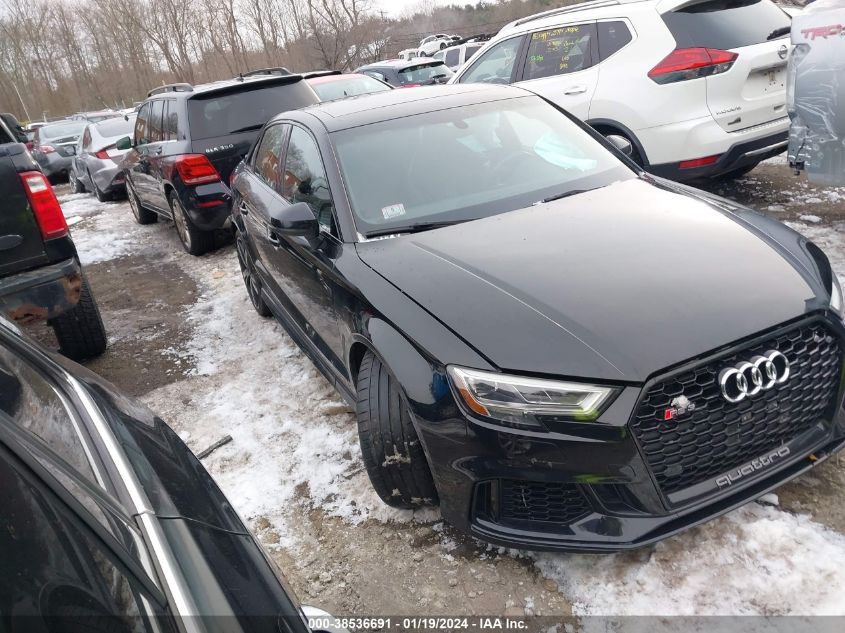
243,208
274,239
575,90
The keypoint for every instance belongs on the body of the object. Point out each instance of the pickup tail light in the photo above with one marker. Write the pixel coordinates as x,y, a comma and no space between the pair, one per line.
44,205
195,169
683,64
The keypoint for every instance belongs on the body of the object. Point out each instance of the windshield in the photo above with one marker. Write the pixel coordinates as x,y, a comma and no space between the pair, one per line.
73,128
246,110
424,73
332,88
116,126
489,158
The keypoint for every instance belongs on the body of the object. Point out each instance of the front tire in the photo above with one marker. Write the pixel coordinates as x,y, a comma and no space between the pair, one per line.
76,184
251,281
80,331
393,455
142,215
194,241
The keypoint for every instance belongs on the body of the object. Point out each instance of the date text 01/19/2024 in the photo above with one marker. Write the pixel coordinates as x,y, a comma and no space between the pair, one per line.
417,623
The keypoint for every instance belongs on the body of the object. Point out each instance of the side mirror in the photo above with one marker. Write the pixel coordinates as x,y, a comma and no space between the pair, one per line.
621,143
297,219
124,143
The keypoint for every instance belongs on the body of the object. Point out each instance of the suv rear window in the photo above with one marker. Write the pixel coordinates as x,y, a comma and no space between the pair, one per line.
221,114
423,72
725,24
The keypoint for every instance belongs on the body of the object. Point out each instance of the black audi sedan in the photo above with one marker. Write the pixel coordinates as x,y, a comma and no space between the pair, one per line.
565,352
109,523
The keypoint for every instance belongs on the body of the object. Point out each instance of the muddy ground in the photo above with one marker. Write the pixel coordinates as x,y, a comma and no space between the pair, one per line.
151,296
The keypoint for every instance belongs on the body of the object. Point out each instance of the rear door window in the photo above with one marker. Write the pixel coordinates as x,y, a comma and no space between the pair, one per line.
496,65
220,114
170,124
156,134
453,57
423,73
268,157
31,401
559,51
725,24
141,131
613,36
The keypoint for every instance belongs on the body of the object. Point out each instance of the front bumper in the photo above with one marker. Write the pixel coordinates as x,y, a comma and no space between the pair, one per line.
592,487
41,294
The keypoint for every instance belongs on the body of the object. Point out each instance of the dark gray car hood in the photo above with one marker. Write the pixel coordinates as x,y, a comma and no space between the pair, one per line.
613,284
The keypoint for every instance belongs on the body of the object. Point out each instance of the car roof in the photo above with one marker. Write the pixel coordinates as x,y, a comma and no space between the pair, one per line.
391,104
186,91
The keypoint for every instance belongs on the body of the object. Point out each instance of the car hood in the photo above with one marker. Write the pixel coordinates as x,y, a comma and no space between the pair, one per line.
616,283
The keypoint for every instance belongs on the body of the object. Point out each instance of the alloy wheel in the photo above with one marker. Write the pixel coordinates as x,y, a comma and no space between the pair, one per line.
250,281
181,222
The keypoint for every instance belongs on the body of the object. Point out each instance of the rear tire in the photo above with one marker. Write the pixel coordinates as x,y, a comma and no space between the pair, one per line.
142,215
194,241
80,330
392,452
252,283
101,196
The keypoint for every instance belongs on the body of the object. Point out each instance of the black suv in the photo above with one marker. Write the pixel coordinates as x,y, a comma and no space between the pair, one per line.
40,274
187,141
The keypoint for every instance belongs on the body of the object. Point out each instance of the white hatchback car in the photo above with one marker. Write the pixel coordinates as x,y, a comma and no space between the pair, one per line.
433,43
698,87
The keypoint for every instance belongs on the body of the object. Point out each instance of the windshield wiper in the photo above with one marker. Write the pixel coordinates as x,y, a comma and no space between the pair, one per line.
248,128
565,194
416,228
784,30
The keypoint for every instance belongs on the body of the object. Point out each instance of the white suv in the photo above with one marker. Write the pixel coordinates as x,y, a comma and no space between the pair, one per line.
433,43
697,87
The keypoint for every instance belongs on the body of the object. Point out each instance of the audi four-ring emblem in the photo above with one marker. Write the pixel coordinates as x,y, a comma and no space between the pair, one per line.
749,378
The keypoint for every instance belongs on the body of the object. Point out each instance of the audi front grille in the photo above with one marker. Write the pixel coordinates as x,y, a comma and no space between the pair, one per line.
714,435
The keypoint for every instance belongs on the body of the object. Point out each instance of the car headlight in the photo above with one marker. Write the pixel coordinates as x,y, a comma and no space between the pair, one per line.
520,401
835,295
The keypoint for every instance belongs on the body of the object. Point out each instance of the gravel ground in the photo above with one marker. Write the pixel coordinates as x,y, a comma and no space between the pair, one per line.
183,338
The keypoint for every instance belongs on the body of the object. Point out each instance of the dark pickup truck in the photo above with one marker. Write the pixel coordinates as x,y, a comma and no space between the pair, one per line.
40,274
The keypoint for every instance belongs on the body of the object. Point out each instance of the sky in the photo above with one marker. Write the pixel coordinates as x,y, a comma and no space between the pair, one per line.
396,8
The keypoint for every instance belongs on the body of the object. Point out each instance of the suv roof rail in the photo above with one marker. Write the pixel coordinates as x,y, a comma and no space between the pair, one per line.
473,39
181,87
572,8
274,70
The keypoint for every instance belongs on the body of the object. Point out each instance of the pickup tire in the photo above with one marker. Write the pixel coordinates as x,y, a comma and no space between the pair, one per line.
392,453
142,215
80,331
194,240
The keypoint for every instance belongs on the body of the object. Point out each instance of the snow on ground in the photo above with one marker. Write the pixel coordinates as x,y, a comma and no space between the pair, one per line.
757,560
294,438
106,234
295,445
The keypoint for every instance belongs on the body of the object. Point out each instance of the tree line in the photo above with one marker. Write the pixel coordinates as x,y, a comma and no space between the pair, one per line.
62,56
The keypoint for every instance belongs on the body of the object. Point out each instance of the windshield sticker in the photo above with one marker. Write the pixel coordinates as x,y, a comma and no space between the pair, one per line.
393,211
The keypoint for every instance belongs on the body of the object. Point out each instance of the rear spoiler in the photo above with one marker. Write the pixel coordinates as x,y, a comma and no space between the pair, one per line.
258,80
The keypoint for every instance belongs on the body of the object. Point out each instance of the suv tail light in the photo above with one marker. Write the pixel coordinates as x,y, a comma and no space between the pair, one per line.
691,63
195,169
44,205
46,149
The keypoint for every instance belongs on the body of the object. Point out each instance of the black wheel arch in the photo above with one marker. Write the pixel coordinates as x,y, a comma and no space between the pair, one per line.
609,126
